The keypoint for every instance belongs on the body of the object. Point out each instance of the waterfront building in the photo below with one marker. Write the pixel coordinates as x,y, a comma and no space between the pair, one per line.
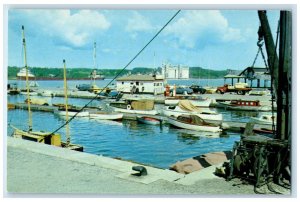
175,72
153,84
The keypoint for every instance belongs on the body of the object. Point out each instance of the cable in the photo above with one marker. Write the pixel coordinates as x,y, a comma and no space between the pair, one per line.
119,71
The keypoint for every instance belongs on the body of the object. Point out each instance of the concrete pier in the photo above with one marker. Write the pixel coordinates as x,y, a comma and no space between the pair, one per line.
39,168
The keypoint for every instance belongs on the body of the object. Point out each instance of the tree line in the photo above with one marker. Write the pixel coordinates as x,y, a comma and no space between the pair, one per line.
79,73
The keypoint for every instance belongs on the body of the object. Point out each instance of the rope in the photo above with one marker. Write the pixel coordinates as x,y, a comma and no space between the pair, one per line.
119,71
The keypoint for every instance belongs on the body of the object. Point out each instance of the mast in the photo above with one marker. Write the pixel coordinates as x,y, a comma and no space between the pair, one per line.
27,84
94,72
66,105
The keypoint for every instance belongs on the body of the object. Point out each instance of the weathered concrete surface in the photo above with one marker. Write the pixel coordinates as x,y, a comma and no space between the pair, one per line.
38,168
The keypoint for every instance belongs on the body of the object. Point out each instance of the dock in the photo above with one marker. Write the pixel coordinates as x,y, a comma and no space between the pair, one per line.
230,125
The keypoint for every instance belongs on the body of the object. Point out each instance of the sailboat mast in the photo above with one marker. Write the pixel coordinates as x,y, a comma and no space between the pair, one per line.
27,83
66,99
94,73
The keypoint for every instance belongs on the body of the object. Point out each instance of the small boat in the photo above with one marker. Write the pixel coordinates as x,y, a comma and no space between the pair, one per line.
148,120
37,101
187,108
135,107
193,122
260,92
102,115
12,89
264,119
31,92
71,112
47,93
244,105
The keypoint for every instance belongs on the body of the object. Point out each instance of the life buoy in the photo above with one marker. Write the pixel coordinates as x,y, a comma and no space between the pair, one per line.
128,107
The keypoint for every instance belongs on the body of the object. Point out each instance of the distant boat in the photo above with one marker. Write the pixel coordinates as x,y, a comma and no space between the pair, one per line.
31,92
264,119
102,115
185,107
244,105
12,89
22,74
193,122
148,120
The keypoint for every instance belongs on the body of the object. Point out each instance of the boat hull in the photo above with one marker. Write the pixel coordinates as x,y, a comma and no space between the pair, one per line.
245,108
260,121
210,118
131,111
106,116
179,124
148,120
63,113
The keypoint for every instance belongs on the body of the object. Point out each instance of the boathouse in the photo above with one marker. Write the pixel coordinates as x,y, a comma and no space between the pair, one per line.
251,74
151,84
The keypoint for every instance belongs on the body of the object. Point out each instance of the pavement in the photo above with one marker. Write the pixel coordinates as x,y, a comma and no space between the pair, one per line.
43,169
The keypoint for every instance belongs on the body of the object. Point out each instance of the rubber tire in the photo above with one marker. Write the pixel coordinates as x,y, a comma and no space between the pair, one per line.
240,92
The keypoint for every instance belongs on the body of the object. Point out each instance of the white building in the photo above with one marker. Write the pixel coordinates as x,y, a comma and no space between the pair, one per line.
141,84
175,72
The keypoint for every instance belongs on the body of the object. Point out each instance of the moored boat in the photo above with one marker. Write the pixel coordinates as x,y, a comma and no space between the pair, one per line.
264,119
187,108
135,107
71,112
102,115
148,120
193,122
245,105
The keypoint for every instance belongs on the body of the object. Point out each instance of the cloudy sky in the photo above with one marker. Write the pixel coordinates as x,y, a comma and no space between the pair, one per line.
216,39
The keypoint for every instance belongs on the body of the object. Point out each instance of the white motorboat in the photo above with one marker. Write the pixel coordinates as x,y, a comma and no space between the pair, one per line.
71,112
193,122
264,119
102,115
185,107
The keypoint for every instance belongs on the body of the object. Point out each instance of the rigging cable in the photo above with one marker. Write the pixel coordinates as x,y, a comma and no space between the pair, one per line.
119,71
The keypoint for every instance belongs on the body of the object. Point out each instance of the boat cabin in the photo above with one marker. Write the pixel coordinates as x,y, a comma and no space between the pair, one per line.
147,84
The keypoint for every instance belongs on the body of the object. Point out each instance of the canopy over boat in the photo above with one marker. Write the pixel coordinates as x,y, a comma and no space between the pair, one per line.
186,105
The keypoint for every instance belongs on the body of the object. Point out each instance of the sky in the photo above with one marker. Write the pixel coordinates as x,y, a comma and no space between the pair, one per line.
215,39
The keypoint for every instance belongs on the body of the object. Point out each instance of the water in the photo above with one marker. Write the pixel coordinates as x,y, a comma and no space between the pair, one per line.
159,146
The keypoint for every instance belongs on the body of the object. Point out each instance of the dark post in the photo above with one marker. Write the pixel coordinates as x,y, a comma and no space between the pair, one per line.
270,47
284,81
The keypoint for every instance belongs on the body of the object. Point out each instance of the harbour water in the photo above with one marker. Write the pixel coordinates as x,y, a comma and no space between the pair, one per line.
159,146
